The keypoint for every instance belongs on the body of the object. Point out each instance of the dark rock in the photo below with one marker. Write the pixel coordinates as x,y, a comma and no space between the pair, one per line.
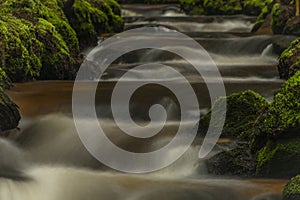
238,162
241,112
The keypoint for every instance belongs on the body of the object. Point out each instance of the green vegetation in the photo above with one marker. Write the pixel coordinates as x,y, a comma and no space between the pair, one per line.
279,159
41,39
224,7
292,189
242,111
289,61
148,1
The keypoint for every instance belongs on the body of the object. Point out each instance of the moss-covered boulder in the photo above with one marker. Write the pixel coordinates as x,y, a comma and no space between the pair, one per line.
91,18
238,161
292,189
279,158
38,41
242,110
280,16
255,7
224,7
289,61
282,118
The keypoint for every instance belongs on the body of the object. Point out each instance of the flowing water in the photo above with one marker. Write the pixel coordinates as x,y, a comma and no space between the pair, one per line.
245,61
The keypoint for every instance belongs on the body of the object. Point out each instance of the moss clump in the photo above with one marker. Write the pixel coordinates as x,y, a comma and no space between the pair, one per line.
255,7
238,162
282,118
90,18
224,7
242,111
279,159
289,61
292,189
228,7
280,16
22,50
56,58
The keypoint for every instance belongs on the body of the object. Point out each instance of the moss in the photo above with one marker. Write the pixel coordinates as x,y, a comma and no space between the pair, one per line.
283,114
90,18
242,111
22,50
255,7
289,60
238,161
280,16
292,189
56,59
279,159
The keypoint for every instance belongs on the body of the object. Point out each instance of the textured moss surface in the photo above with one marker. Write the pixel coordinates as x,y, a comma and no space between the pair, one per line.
289,61
242,110
39,42
279,159
292,189
224,7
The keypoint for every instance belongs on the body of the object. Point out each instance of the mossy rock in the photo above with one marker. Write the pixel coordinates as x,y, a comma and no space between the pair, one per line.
192,7
91,18
280,15
292,189
282,118
289,60
279,159
255,7
9,113
235,162
22,51
242,111
228,7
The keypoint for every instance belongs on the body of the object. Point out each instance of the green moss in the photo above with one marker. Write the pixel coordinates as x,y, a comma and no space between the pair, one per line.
22,50
242,111
292,189
90,18
284,112
228,7
280,16
255,7
279,159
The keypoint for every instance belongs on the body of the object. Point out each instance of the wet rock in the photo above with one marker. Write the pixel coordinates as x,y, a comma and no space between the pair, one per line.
222,7
9,113
242,110
289,60
279,159
280,15
38,42
238,162
91,18
292,189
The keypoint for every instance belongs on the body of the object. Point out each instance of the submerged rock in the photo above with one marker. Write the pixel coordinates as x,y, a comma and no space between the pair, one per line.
292,189
241,113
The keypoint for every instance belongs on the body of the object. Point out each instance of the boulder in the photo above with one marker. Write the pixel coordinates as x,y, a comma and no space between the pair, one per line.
242,110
